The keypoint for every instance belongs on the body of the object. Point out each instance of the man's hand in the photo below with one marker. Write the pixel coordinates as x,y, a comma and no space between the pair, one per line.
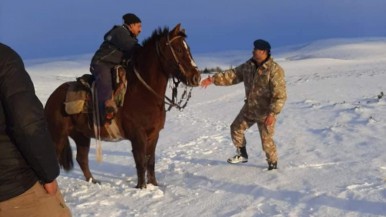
270,120
206,82
51,187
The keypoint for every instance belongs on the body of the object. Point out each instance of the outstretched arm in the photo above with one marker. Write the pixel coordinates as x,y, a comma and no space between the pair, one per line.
226,78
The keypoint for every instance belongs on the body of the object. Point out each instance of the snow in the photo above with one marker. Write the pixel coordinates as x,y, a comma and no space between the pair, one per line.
330,138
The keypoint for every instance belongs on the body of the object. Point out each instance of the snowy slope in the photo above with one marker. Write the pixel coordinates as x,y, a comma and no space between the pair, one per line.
330,137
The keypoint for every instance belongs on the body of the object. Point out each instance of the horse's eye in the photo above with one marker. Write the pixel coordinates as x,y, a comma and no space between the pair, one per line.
179,50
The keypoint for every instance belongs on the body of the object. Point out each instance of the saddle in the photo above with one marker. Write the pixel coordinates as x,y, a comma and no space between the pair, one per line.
79,94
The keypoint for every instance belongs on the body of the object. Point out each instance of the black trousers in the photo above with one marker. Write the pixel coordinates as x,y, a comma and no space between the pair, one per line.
103,83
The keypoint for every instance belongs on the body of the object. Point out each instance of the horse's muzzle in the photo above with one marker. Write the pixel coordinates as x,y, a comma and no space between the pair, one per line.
195,81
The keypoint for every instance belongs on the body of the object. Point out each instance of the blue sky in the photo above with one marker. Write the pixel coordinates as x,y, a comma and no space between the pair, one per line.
51,28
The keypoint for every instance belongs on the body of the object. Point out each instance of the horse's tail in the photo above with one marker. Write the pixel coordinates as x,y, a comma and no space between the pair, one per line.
65,157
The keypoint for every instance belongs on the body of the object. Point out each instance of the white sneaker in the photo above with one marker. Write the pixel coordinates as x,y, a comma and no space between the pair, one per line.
237,159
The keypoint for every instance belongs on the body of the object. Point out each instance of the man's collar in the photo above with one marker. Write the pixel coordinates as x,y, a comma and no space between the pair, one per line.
267,62
264,64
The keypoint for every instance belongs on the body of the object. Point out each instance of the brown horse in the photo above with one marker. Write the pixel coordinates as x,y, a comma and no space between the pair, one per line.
164,55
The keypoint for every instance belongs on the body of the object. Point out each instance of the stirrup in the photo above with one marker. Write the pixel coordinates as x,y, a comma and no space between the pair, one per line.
110,114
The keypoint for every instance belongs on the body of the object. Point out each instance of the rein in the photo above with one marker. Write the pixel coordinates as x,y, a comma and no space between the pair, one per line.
185,95
171,102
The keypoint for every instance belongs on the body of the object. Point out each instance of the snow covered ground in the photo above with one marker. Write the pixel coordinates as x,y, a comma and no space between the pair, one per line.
330,137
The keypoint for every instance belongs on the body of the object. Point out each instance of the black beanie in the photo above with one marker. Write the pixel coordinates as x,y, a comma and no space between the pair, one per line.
261,44
130,19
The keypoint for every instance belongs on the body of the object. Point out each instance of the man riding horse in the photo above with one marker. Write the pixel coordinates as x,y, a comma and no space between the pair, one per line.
119,43
164,55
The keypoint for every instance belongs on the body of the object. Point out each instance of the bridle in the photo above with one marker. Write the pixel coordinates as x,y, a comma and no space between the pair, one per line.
186,95
169,44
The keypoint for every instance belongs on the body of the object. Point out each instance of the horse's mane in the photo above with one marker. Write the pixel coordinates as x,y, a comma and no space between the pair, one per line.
156,35
159,33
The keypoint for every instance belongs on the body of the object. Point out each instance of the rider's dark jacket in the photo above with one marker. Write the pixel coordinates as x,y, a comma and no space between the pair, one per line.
118,43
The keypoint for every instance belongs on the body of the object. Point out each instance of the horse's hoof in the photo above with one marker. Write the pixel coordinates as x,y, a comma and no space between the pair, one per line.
142,186
153,183
94,181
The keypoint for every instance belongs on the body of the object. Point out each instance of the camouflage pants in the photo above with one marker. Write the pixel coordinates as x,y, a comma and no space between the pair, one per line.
241,124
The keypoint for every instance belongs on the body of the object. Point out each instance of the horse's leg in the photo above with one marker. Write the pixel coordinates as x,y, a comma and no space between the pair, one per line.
150,154
139,149
83,148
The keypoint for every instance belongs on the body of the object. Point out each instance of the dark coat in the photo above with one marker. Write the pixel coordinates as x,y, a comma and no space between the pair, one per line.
27,153
118,43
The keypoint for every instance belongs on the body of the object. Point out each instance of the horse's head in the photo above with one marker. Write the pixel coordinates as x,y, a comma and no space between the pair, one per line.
179,60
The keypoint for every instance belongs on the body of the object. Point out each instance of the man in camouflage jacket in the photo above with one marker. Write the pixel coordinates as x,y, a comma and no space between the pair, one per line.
265,95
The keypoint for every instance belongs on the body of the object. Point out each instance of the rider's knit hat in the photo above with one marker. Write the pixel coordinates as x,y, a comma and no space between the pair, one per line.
130,19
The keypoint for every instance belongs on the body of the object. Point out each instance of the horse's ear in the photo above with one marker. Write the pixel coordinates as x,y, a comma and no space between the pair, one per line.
176,29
